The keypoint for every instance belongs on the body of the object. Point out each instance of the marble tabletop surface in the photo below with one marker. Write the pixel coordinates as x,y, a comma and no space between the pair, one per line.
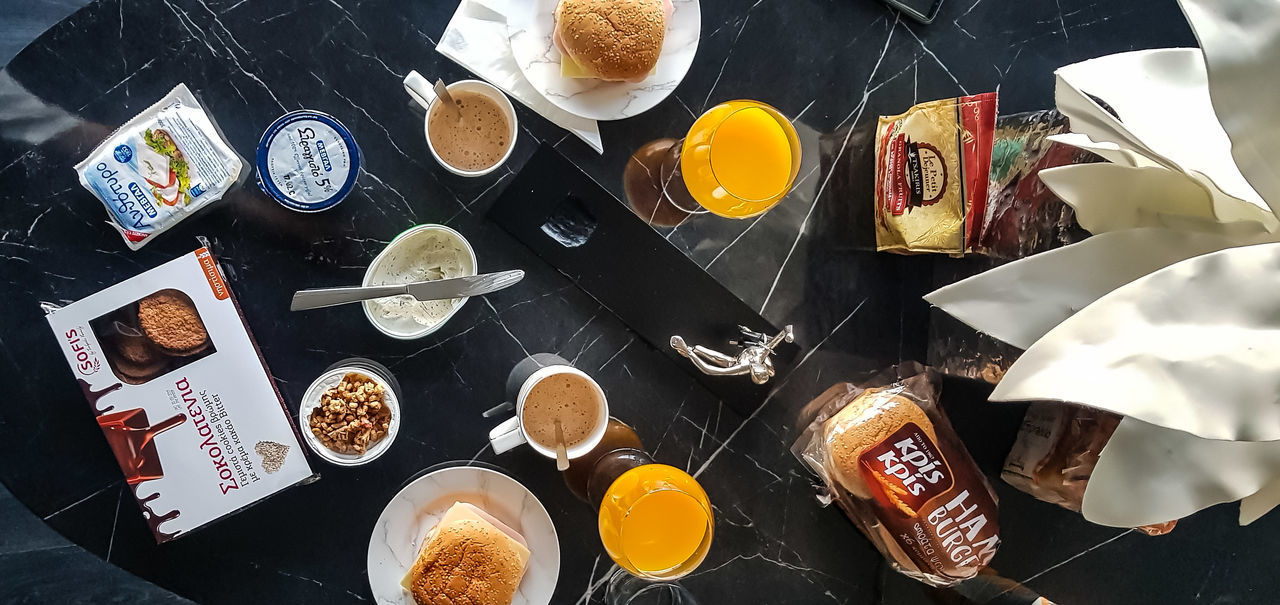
832,65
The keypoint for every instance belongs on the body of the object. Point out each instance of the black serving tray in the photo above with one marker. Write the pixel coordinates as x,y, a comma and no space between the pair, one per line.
578,227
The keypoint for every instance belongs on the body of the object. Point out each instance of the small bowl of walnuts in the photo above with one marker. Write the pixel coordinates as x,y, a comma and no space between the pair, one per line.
351,413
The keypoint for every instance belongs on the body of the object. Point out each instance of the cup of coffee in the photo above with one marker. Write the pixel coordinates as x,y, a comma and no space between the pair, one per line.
478,137
556,392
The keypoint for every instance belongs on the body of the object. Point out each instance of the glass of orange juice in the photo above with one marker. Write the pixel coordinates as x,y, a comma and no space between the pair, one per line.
656,522
738,160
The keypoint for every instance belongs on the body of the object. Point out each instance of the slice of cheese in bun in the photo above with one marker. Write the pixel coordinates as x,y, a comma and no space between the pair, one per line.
615,40
468,557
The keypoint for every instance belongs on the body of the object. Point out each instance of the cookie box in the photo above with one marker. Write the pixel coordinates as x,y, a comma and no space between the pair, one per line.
182,394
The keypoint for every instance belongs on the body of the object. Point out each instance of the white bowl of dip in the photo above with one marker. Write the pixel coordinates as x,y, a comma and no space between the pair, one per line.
425,252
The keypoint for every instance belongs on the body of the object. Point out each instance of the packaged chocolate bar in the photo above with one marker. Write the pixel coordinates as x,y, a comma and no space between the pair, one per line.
932,164
1056,451
177,385
888,456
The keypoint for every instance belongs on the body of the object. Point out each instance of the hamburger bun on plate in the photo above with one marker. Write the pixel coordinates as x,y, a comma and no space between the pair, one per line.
611,40
469,557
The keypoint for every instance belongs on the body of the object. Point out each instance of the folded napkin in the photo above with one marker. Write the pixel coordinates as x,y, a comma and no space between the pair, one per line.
476,38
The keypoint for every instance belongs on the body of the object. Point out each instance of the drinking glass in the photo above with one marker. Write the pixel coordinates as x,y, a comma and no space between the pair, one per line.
626,589
656,522
738,160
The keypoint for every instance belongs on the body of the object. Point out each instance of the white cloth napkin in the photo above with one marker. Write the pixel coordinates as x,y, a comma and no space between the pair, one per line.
476,38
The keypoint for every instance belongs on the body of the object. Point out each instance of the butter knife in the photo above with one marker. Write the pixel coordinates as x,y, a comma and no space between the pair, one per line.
440,289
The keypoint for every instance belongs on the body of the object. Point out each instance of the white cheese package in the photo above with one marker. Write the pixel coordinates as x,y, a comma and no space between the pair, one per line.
161,166
178,386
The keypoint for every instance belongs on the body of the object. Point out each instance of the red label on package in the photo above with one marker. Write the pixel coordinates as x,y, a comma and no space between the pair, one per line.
978,125
212,274
905,469
945,521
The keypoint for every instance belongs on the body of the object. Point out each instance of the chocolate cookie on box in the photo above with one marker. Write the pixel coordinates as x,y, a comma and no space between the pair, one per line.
171,321
136,360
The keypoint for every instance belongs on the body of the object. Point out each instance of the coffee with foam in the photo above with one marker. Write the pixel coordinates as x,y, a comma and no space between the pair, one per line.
477,141
568,397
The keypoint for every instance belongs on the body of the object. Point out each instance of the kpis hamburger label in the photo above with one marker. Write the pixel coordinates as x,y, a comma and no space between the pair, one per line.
942,518
906,468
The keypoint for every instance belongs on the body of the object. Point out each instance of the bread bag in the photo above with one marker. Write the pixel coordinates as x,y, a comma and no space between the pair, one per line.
889,457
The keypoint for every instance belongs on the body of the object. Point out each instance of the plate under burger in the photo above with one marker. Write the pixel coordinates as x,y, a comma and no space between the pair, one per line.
531,29
409,516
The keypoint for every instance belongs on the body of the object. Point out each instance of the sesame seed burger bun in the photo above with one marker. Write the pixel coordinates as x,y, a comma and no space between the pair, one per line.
469,558
615,40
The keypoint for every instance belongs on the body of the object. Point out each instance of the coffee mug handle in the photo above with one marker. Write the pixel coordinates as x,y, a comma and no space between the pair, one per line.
507,435
420,89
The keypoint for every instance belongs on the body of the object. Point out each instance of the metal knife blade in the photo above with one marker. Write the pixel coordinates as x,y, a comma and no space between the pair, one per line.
442,289
464,286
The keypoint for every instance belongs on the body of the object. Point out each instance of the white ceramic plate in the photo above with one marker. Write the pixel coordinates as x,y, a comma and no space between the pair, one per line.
530,24
408,517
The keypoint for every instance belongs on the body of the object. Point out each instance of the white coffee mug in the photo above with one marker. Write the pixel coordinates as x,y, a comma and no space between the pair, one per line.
511,433
424,93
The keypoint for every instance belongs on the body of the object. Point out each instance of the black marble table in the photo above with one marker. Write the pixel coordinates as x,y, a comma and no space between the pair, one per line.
834,65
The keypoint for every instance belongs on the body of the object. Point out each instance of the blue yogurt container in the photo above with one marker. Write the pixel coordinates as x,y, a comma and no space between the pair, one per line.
307,161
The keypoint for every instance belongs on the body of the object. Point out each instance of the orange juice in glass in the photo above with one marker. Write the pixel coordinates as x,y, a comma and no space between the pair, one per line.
738,160
655,522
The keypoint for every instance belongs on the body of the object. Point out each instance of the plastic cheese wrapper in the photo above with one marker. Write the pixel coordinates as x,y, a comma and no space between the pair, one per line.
156,169
932,166
891,460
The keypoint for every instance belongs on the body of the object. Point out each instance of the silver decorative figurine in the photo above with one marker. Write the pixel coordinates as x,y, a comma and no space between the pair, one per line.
754,359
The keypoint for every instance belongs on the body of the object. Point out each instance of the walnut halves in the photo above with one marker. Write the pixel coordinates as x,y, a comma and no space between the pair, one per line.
352,415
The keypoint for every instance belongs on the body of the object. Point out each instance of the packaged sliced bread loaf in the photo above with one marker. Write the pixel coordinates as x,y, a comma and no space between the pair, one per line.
890,459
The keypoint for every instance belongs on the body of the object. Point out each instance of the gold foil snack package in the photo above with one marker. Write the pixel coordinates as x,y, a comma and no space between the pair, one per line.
932,166
887,455
1056,451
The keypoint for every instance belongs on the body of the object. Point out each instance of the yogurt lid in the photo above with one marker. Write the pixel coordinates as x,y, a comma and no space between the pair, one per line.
307,161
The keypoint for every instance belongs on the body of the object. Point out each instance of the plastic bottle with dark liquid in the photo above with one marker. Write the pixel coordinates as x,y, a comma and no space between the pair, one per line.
617,436
132,440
